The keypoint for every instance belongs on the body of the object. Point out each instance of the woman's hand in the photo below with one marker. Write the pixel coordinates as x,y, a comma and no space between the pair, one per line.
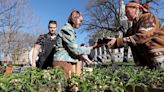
86,59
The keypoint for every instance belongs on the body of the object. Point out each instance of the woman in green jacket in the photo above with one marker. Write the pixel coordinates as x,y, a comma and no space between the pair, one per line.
68,52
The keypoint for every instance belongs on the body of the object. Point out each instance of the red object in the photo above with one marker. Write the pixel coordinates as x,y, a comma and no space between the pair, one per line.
9,69
67,67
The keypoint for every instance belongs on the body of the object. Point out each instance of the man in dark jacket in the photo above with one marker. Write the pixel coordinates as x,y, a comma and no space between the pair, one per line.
44,47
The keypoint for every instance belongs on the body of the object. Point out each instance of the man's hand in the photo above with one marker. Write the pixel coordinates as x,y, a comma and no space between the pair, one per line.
111,43
96,45
106,40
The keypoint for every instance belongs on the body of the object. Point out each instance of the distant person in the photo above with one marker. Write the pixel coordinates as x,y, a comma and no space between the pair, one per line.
30,56
45,47
68,53
145,37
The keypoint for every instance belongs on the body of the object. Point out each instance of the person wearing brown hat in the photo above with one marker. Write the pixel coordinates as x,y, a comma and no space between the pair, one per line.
145,37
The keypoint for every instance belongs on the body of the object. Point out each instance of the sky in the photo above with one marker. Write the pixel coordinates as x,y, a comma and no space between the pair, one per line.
59,10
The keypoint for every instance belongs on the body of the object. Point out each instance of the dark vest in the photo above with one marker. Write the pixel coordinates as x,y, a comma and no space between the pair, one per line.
46,55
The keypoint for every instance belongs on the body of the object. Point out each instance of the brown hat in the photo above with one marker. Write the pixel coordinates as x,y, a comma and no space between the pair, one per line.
137,5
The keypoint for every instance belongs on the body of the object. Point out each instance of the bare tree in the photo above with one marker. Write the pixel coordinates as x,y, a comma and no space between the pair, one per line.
108,17
23,42
15,17
107,14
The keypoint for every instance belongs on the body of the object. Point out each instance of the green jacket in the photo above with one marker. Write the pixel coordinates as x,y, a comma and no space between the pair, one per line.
66,47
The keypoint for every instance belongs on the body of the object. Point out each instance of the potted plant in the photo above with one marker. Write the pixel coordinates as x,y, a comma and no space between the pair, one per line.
9,69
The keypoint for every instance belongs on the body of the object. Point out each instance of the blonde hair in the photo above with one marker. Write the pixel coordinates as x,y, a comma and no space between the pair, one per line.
144,7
